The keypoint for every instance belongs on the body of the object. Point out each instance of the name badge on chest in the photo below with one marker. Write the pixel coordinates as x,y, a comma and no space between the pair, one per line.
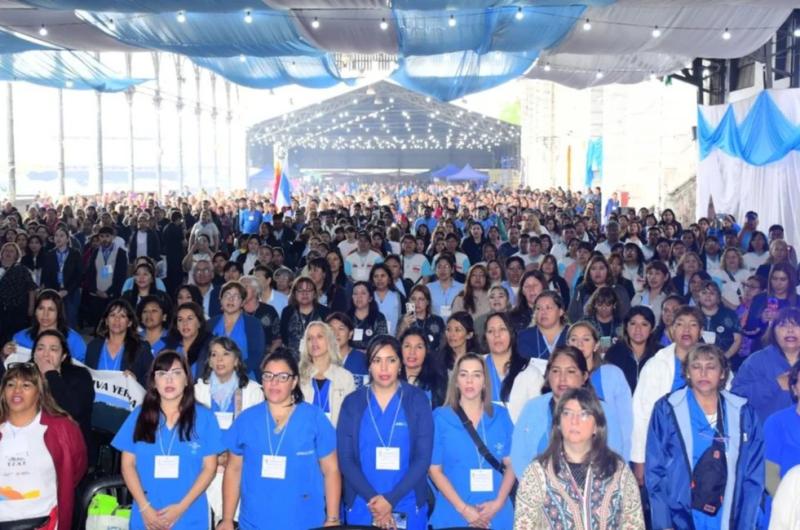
107,271
167,466
709,337
358,335
481,480
445,311
387,458
273,466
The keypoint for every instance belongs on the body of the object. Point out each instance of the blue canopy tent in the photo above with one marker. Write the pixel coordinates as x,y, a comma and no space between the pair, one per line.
468,174
260,180
446,171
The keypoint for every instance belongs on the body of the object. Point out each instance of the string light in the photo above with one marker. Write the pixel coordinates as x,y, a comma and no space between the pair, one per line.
43,31
656,32
248,17
587,26
181,16
384,24
69,83
242,58
111,24
315,23
796,33
520,15
653,76
599,74
452,21
726,35
547,67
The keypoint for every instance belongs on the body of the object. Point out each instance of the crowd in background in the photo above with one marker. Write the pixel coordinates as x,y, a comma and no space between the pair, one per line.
400,356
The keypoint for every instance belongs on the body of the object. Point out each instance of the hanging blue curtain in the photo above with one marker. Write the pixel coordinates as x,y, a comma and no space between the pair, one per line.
594,160
483,4
62,69
273,72
272,33
13,43
143,6
763,137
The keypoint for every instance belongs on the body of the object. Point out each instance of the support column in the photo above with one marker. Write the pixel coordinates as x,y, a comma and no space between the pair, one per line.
198,114
129,97
12,159
214,115
179,108
99,134
229,140
157,99
62,170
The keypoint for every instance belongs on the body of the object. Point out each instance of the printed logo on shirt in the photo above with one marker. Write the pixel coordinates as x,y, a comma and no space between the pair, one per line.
498,448
194,446
305,453
401,424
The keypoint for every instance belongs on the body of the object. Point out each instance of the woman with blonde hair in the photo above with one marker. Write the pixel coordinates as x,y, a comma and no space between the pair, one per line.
322,379
732,275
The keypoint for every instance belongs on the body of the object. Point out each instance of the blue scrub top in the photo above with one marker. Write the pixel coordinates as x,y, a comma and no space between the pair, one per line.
75,343
531,432
782,439
441,297
612,388
532,344
162,492
356,364
237,335
297,501
390,429
497,381
455,452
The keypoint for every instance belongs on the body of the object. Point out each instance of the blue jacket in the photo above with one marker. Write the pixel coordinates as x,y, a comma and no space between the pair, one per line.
256,349
668,469
757,380
417,409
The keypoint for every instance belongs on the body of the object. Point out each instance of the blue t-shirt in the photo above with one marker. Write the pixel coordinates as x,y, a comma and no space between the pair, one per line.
782,439
162,492
455,452
356,364
298,500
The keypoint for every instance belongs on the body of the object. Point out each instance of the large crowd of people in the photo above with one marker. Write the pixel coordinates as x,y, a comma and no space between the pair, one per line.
401,356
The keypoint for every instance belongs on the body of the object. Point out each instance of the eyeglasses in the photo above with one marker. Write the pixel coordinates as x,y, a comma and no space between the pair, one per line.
582,415
232,296
281,377
26,364
175,373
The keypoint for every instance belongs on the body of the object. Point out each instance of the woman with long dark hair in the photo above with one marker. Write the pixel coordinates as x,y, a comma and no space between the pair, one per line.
61,271
531,285
154,316
422,317
460,338
234,323
169,447
17,292
781,293
639,343
331,294
503,360
555,282
303,308
189,336
421,368
549,329
474,299
598,274
368,321
578,474
387,298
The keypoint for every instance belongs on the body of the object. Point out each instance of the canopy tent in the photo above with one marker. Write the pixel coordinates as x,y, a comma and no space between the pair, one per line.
446,171
469,175
750,159
442,48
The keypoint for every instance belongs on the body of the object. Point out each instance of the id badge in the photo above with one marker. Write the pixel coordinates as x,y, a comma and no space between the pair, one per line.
387,458
401,520
445,311
273,467
481,480
107,271
709,337
167,466
224,419
358,335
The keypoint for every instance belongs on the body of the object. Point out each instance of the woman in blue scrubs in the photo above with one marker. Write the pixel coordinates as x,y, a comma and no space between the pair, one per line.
282,460
782,436
354,361
421,368
385,439
169,448
470,491
608,381
48,313
503,362
244,330
153,314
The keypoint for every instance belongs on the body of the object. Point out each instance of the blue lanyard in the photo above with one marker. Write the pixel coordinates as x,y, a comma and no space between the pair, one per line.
394,422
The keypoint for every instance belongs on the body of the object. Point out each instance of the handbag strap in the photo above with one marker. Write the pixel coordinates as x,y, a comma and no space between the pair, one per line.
482,449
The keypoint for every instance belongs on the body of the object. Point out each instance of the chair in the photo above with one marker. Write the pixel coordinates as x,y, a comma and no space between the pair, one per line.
112,485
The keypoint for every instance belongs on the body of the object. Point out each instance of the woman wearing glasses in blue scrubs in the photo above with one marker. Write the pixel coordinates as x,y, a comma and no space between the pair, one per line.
282,460
385,439
169,448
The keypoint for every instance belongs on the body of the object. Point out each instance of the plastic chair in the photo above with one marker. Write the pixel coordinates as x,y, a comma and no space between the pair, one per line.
112,485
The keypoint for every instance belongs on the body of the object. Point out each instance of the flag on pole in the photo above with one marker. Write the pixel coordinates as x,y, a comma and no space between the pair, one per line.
281,189
276,183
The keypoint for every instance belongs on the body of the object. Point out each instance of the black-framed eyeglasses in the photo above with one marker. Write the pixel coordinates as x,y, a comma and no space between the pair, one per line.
281,377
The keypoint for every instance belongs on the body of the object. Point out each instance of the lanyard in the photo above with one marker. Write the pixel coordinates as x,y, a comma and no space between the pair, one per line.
484,439
171,439
394,422
274,452
106,253
318,395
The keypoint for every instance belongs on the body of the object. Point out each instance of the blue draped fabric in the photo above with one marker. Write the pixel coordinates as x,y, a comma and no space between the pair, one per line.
763,137
12,43
272,33
483,4
594,160
143,6
62,69
484,30
453,75
273,72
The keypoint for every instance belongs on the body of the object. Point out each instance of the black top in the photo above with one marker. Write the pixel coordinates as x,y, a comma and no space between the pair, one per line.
73,390
621,356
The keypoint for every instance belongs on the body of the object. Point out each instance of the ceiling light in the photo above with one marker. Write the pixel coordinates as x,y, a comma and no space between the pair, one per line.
315,23
547,67
599,74
796,33
706,72
69,83
43,31
384,24
111,24
452,21
520,15
181,16
726,35
587,26
248,17
242,58
656,32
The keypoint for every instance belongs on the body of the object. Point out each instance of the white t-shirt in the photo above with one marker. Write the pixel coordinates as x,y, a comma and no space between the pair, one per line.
27,469
346,247
358,267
